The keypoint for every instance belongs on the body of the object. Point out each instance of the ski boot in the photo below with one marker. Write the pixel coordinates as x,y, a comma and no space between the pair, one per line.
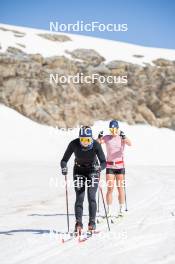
78,228
91,227
121,212
102,218
118,217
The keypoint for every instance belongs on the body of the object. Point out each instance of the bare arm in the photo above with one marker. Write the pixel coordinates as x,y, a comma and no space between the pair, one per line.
128,141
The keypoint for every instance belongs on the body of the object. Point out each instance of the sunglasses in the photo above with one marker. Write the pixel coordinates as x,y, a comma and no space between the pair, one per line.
113,129
86,140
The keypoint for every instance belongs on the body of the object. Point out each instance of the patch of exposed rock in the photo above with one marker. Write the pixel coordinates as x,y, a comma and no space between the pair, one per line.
88,56
55,37
16,33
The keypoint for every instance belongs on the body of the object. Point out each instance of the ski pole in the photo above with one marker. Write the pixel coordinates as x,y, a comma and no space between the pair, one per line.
98,203
67,204
104,207
126,207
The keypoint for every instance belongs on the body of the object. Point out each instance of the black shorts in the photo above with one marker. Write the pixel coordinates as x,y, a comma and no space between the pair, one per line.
115,171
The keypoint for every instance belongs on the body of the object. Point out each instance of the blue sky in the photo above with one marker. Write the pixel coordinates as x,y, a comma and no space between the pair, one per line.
150,23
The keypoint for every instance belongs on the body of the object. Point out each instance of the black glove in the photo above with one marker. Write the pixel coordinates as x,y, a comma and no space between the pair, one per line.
97,167
64,170
100,135
122,135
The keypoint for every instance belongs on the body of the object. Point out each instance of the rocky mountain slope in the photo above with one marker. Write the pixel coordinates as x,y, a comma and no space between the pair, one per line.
148,97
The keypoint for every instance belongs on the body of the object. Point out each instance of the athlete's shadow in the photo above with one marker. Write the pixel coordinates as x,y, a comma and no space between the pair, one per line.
38,231
34,231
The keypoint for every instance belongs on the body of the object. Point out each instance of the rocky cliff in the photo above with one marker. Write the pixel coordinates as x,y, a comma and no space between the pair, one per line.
148,97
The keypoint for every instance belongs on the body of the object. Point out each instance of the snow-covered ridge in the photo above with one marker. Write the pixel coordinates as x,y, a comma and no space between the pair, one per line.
110,50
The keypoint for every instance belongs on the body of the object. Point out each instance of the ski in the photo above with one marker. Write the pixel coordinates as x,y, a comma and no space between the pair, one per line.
66,237
84,236
116,219
70,236
88,235
112,219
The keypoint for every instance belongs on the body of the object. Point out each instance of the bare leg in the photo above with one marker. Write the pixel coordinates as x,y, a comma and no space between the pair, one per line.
120,187
110,178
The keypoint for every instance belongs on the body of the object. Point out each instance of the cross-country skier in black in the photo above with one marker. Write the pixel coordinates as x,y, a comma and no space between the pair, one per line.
86,173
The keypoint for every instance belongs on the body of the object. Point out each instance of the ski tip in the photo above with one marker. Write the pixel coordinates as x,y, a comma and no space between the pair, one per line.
81,240
62,241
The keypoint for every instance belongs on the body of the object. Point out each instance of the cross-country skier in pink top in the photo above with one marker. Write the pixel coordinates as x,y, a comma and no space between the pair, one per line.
115,168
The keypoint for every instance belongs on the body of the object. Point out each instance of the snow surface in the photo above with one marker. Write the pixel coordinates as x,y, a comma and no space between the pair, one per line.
24,140
32,198
110,50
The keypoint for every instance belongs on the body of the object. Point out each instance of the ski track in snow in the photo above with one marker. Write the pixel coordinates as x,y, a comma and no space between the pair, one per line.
147,227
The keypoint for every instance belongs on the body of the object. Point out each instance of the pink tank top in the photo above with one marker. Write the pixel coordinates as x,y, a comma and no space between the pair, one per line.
114,148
